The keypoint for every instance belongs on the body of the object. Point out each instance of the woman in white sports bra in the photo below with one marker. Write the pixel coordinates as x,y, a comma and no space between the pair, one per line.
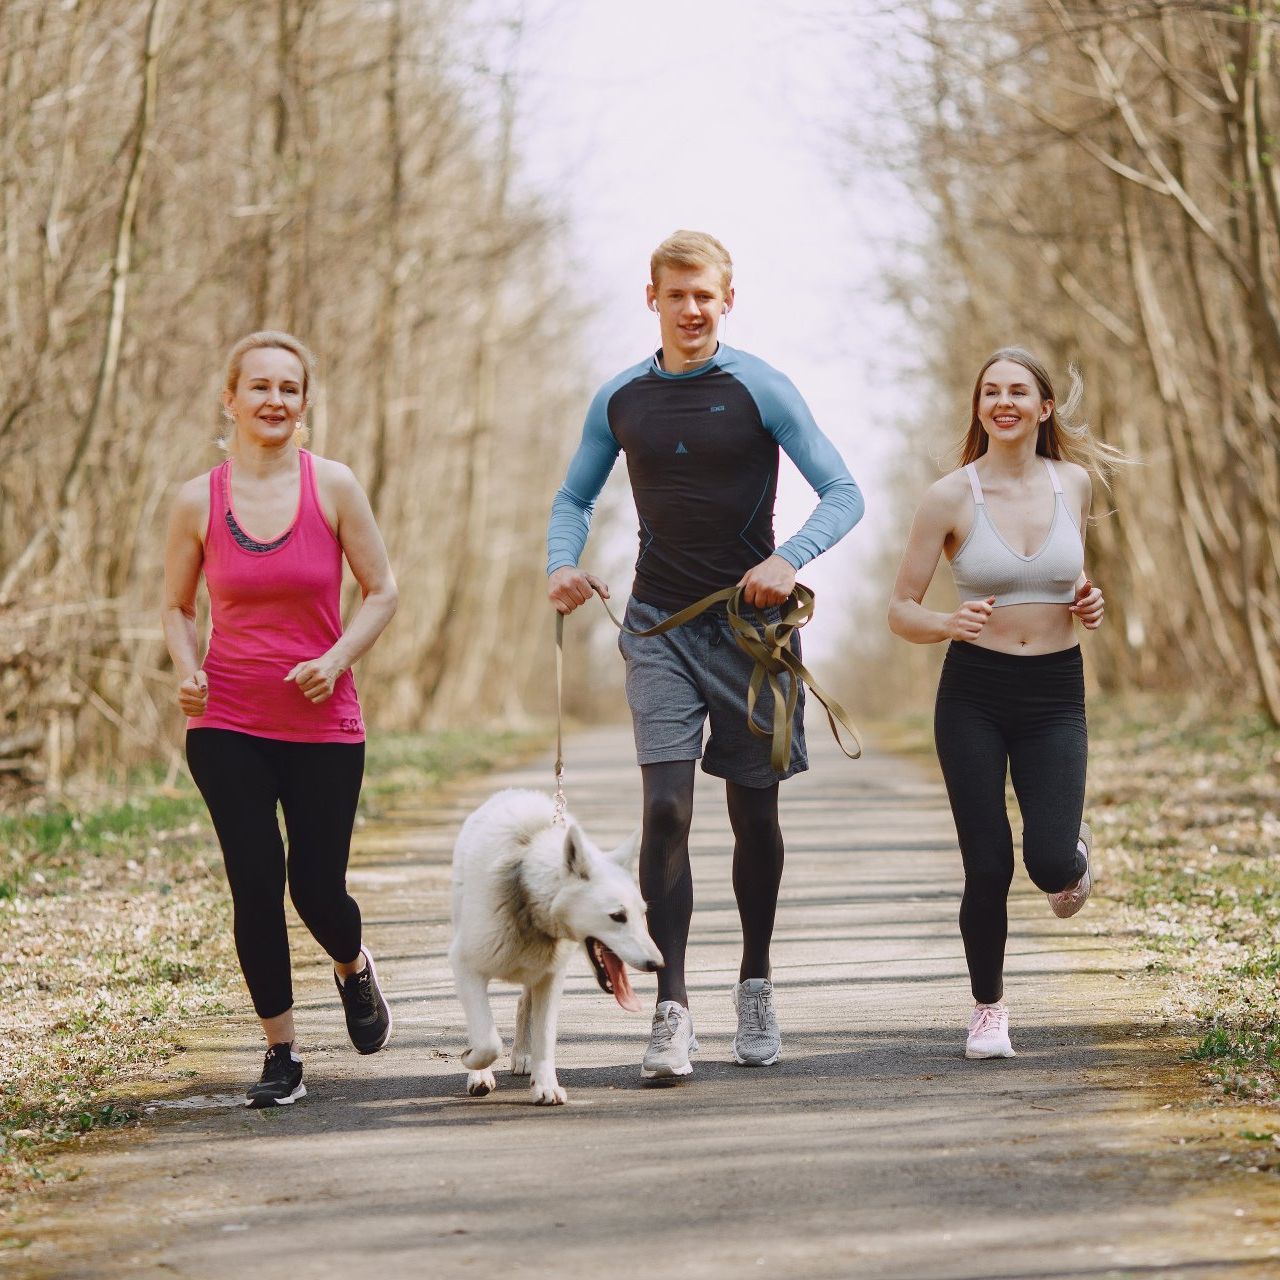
1011,521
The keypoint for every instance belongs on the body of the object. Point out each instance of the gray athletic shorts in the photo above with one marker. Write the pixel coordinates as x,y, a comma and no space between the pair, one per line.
677,680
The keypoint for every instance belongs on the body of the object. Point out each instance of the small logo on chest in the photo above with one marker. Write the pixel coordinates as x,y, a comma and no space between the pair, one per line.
680,448
717,408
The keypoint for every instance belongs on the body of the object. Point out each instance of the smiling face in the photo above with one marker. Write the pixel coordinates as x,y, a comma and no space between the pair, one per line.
268,400
1008,403
689,302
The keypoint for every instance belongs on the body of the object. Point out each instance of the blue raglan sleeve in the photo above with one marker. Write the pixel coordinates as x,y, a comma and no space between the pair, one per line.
786,417
575,500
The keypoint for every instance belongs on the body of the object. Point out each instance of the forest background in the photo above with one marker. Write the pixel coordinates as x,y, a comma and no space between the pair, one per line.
1092,178
453,203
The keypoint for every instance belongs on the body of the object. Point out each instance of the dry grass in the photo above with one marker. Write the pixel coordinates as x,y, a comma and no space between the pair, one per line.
1187,818
115,934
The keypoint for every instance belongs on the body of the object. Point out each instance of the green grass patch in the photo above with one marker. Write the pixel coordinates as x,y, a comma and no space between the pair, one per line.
401,763
61,840
1241,1046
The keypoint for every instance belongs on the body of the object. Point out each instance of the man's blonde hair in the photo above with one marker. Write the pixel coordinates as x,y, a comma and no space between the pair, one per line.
692,249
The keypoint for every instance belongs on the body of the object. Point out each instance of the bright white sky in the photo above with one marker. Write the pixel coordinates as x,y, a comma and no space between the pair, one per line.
730,116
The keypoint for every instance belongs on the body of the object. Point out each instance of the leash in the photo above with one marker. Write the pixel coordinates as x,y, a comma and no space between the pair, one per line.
770,649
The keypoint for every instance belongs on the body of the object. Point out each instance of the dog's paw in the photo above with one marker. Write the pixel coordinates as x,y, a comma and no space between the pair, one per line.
521,1063
477,1057
480,1082
547,1093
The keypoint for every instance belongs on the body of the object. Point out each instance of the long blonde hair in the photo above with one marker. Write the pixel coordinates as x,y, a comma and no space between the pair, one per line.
285,342
1061,435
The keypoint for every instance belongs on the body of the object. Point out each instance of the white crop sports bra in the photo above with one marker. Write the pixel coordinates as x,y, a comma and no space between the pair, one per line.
986,565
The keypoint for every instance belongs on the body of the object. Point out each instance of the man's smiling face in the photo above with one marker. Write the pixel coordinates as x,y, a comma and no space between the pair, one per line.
689,302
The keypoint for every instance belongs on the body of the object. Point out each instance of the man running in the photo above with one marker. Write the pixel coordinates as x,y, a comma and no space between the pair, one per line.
700,424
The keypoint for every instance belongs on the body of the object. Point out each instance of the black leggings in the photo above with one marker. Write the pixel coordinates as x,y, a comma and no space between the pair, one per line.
998,711
317,784
666,879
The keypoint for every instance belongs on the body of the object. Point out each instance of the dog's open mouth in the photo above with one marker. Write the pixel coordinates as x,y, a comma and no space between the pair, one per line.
611,974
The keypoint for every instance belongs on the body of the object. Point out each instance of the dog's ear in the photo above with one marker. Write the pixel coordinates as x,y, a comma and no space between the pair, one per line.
627,852
577,861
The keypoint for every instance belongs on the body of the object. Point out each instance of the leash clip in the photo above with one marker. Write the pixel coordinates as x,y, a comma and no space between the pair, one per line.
557,816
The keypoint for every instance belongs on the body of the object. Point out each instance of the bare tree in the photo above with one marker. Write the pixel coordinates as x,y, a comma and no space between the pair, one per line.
174,176
1104,173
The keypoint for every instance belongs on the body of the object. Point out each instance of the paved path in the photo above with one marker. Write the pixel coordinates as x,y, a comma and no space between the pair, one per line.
872,1149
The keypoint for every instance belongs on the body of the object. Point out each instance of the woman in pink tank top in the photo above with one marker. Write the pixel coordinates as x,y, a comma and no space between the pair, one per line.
273,716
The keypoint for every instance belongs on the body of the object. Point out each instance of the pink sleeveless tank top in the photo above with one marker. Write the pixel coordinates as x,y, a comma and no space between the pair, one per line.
273,605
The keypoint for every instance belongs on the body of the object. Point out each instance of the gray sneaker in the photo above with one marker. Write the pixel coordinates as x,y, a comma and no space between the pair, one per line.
758,1042
671,1041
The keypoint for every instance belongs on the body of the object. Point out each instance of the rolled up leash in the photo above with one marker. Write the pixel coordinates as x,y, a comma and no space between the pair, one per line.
770,650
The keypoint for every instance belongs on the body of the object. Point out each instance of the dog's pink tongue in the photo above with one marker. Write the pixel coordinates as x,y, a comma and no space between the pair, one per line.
617,972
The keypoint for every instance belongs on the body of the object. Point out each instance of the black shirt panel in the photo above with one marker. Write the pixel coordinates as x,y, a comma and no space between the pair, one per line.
704,474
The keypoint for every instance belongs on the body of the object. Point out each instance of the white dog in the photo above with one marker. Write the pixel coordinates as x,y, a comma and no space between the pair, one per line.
525,892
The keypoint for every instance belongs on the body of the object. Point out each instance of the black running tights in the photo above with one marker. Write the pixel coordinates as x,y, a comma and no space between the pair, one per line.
317,784
998,713
667,881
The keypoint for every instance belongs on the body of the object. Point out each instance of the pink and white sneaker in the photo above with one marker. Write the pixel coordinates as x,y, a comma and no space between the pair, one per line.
1069,900
989,1032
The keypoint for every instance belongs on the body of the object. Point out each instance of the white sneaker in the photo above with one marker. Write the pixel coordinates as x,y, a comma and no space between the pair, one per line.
671,1041
1068,901
758,1042
989,1033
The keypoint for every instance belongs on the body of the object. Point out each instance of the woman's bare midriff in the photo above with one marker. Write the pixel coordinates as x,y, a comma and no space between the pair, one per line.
1028,629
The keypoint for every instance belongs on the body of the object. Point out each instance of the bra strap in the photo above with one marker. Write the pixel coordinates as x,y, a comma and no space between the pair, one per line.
1053,475
307,495
975,484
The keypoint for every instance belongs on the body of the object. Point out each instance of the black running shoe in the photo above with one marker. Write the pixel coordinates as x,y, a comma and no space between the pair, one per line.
368,1018
281,1082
